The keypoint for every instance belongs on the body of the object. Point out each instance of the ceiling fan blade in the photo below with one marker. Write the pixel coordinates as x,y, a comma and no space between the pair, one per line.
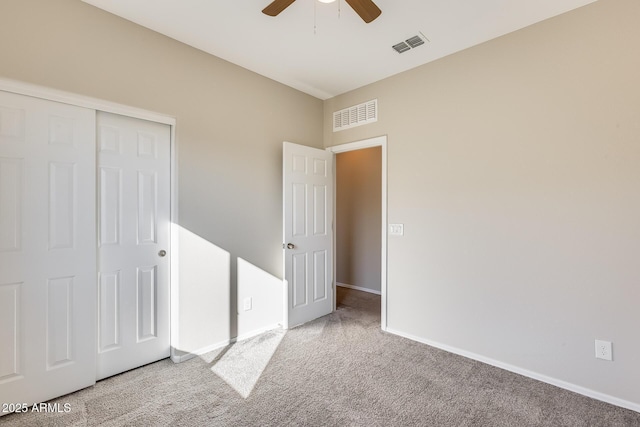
276,7
367,9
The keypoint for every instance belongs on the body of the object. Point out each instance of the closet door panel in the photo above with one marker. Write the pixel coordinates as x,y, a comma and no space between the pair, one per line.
47,248
134,222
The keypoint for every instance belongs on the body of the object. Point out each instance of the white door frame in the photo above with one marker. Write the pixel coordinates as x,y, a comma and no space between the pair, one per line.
379,141
55,95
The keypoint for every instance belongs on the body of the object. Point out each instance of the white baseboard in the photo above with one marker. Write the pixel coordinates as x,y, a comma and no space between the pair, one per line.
358,288
524,372
178,356
257,332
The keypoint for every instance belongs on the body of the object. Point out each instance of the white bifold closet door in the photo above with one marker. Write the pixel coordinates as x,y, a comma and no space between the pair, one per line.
133,238
47,249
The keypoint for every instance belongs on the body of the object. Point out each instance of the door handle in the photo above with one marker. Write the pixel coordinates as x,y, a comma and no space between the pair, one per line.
288,246
162,253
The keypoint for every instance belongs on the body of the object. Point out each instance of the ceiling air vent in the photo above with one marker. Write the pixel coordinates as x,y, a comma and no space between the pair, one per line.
358,115
410,43
415,41
401,47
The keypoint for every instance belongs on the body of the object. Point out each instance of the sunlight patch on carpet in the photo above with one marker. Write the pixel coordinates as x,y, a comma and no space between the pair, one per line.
243,363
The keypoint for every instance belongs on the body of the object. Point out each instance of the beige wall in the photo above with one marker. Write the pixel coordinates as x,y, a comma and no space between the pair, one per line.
230,128
359,217
515,167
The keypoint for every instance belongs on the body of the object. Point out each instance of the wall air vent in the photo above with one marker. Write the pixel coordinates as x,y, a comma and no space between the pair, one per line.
358,115
410,43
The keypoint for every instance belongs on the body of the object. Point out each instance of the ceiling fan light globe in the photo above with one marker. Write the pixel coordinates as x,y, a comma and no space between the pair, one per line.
326,1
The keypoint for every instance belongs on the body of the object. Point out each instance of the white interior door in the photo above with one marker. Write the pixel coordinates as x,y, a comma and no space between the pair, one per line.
308,221
133,237
47,249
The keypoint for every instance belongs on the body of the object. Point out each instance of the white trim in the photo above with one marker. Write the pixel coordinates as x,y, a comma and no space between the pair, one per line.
174,239
524,372
358,288
256,332
379,141
179,358
176,358
42,92
285,297
63,97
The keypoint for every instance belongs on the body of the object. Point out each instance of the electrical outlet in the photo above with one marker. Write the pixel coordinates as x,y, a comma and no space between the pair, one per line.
396,229
603,350
247,304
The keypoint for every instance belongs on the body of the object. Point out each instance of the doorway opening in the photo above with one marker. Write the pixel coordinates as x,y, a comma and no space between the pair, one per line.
360,231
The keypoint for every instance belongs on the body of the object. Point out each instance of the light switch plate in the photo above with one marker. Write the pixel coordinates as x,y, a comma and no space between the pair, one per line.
396,229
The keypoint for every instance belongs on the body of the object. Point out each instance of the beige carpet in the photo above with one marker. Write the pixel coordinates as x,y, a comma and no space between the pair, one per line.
340,370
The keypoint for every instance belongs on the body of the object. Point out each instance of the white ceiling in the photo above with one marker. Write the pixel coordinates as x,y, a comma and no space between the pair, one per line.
343,53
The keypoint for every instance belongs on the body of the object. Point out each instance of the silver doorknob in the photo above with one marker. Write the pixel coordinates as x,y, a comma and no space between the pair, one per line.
162,253
290,246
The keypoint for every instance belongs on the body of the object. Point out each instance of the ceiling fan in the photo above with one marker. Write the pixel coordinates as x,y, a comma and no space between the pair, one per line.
367,9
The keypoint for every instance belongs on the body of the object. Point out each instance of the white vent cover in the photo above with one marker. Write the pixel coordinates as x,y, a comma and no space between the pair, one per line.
358,115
